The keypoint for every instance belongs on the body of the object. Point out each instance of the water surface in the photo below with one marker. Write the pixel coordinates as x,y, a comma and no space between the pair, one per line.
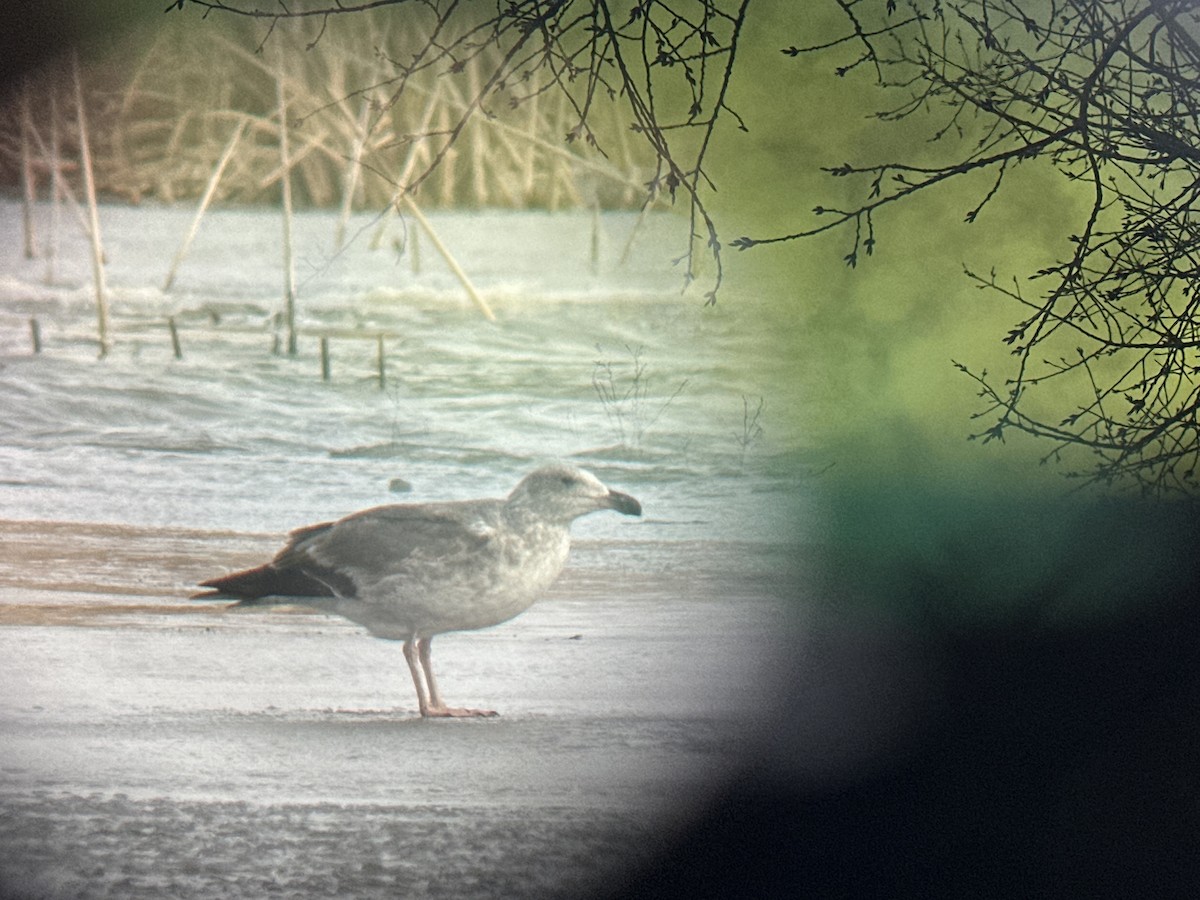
605,363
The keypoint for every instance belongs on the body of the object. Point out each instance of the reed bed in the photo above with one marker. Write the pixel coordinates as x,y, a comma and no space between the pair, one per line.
304,116
165,106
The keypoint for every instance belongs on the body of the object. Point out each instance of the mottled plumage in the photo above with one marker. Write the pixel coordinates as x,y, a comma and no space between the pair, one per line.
408,572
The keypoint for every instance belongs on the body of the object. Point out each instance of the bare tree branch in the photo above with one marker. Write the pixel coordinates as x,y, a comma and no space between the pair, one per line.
587,51
1106,95
1109,96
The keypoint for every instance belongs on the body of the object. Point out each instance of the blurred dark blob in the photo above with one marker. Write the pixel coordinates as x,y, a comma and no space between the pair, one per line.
31,35
1019,690
35,33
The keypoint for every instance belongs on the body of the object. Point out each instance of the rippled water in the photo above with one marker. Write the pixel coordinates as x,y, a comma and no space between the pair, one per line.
235,436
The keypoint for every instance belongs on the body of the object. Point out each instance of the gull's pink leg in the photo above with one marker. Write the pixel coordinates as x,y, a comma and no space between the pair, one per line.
436,707
410,656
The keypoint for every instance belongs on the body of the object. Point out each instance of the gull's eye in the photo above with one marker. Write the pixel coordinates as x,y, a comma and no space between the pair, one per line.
569,481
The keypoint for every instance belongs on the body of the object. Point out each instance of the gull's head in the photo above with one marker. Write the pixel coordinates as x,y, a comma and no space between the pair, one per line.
562,493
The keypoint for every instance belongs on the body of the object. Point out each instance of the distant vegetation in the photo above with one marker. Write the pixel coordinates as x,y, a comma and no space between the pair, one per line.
623,388
536,103
163,110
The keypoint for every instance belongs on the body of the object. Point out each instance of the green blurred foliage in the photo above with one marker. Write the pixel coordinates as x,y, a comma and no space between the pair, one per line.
872,345
918,525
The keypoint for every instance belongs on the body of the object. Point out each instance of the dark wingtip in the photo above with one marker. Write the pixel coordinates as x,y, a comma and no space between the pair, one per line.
215,589
211,594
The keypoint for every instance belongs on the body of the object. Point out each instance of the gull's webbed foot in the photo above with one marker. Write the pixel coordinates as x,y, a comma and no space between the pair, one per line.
456,712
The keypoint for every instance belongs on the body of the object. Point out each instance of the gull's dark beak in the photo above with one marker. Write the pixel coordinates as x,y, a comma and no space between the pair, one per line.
623,503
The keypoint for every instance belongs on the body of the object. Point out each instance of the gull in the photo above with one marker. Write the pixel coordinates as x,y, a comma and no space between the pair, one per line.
411,571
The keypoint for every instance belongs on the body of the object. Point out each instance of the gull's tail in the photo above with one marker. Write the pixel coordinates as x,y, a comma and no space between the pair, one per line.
265,585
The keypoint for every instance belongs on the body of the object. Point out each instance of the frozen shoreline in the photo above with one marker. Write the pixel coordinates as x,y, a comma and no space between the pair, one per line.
153,747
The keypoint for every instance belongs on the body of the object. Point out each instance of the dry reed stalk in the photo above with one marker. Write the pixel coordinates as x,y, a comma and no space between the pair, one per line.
64,186
418,153
632,187
450,260
381,362
56,187
560,118
176,139
119,137
285,164
449,157
209,190
351,175
528,171
402,196
176,347
318,184
565,157
93,213
476,137
294,159
28,179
